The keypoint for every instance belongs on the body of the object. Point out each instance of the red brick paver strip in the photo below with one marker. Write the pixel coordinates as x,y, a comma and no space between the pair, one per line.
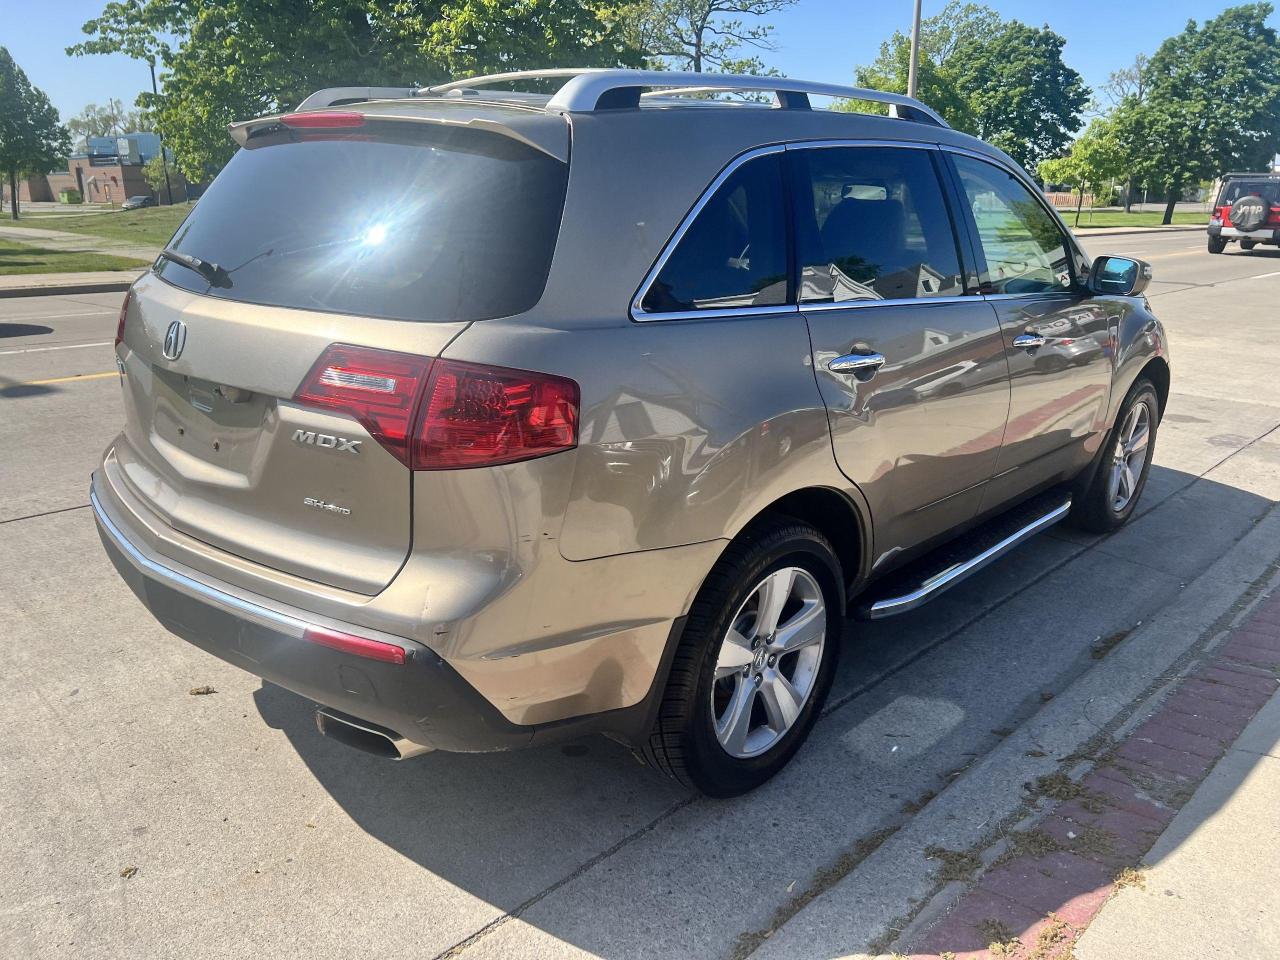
1035,906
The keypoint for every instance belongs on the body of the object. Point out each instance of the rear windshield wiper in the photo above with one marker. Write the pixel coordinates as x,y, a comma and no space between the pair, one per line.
216,275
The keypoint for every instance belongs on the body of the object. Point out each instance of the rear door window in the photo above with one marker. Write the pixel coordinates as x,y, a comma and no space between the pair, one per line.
410,221
734,253
872,224
1024,248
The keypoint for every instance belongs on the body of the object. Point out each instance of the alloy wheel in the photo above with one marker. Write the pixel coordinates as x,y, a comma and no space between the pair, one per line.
768,662
1129,457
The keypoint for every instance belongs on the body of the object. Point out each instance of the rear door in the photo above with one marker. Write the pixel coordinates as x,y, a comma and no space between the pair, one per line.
385,238
1059,340
912,370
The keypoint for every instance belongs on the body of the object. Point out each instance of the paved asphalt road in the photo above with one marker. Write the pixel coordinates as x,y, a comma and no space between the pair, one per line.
251,834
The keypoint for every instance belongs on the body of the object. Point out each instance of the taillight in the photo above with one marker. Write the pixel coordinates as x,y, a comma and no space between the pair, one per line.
475,415
446,414
124,315
358,646
379,388
323,121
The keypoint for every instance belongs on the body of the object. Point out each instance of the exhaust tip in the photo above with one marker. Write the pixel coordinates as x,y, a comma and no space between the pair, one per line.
366,736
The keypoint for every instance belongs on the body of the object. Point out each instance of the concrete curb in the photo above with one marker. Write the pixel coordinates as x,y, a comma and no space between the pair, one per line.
1138,231
863,913
110,286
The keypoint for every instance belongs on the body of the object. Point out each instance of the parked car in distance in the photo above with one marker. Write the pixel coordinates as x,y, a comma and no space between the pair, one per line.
479,441
1246,210
134,203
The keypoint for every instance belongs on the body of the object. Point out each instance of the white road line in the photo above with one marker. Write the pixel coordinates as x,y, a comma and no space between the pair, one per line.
1263,276
26,317
68,346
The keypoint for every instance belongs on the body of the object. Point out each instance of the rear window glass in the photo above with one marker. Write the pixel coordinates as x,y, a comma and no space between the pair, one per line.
1233,190
408,221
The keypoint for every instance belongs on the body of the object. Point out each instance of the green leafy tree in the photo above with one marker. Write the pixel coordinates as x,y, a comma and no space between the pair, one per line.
156,175
31,138
1211,103
111,119
1024,99
1096,158
228,60
934,85
717,36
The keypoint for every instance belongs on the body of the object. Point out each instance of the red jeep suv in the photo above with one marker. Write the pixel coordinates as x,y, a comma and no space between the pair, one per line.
1247,209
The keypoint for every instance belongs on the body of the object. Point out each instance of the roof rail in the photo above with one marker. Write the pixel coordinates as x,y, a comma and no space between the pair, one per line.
588,90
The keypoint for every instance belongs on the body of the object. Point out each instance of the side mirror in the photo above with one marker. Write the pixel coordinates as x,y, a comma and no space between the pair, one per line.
1119,276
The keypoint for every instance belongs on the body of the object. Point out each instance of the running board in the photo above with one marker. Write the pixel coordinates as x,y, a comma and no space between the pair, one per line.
933,575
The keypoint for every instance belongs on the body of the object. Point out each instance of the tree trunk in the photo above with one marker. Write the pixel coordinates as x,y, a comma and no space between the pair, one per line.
1079,203
1128,195
13,193
1170,200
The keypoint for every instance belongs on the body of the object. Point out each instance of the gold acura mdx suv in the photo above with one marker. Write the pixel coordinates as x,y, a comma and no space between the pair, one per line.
486,417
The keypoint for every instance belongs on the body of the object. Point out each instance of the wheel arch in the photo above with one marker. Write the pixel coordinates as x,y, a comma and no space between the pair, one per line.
1157,371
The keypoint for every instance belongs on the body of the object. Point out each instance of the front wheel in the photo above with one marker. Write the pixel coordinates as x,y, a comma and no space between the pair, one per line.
1248,244
755,662
1111,497
1217,244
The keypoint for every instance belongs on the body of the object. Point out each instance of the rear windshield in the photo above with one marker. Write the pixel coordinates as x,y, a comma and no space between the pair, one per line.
1233,190
411,221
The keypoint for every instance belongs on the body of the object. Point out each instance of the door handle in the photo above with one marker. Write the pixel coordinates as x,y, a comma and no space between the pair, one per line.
862,365
1028,341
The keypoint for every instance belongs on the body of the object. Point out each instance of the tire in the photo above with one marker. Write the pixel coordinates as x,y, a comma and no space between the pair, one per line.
1217,244
1248,213
684,742
1099,509
1248,244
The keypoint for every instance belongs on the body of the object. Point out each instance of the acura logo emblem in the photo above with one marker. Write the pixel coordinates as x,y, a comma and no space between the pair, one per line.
174,340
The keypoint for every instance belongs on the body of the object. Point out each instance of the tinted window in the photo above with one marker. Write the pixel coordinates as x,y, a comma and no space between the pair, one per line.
1233,190
1024,247
408,221
734,254
872,225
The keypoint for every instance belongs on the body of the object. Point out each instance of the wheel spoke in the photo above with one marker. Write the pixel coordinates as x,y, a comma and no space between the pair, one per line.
733,728
773,597
1138,442
1113,484
808,626
781,703
735,653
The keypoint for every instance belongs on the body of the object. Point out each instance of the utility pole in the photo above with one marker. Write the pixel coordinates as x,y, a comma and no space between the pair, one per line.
912,70
164,161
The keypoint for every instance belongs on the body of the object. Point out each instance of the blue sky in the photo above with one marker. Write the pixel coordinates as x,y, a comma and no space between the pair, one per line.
817,39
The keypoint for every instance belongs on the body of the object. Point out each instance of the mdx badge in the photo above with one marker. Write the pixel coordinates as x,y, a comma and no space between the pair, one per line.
175,338
326,440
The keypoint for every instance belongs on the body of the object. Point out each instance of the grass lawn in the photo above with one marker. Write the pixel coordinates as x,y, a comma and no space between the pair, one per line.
20,258
150,225
1118,218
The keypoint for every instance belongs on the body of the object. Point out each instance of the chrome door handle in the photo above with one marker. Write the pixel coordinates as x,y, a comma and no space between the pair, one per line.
864,363
1029,341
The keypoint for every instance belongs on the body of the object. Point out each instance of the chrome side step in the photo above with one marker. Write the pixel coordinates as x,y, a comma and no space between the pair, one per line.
939,582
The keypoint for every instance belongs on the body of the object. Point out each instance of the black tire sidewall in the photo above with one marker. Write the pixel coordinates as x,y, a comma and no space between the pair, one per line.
1100,508
713,770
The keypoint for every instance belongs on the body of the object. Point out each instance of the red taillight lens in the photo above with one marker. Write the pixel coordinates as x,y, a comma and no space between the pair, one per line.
475,415
377,387
322,121
357,646
446,414
124,315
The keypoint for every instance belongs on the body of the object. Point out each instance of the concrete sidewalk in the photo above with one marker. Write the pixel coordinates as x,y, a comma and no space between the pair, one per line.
1210,880
53,284
65,240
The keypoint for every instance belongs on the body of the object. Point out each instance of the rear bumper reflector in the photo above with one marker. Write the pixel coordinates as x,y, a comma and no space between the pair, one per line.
357,646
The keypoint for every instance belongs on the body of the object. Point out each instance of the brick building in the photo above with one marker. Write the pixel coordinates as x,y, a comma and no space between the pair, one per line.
106,170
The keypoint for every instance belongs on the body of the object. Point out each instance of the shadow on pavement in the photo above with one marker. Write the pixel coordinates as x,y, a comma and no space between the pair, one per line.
918,699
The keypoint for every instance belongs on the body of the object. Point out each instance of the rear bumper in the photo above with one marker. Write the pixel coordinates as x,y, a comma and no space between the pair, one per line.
424,700
1267,235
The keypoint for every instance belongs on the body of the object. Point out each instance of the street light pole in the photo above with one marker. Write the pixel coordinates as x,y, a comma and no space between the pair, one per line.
915,51
164,161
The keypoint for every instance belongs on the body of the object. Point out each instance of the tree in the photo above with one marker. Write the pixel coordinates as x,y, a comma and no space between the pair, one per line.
934,85
228,60
31,138
1023,97
941,35
1097,157
1127,83
701,35
156,174
108,120
1211,103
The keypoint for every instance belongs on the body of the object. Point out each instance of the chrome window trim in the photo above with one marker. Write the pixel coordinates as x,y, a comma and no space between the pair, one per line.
822,306
718,313
860,142
638,313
